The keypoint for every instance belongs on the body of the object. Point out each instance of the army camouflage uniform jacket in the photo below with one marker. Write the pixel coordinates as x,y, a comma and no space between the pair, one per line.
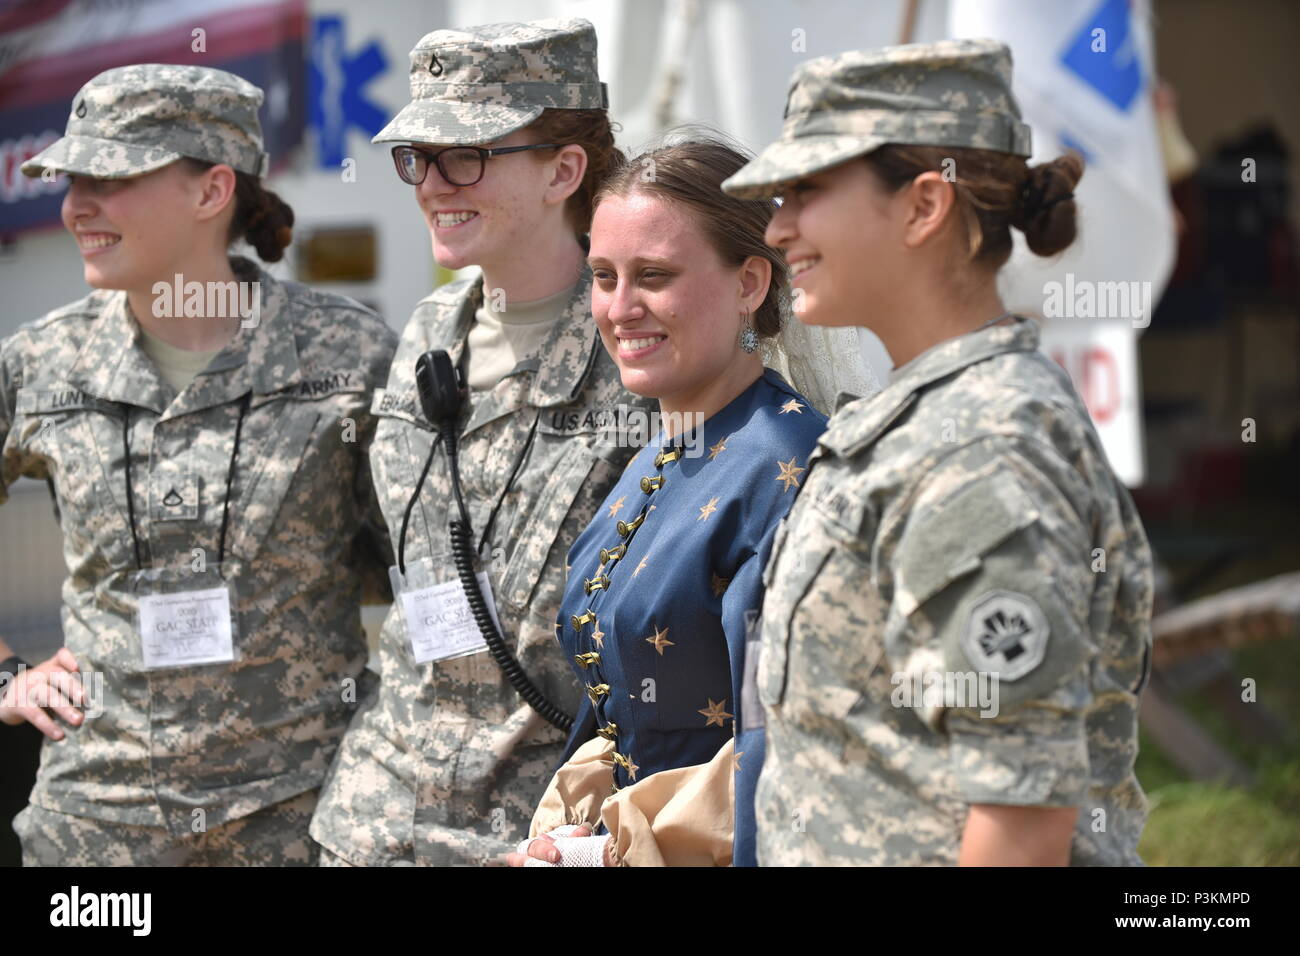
446,765
964,521
304,535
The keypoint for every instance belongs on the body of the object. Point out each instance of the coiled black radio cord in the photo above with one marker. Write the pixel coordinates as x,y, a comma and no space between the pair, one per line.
462,552
440,392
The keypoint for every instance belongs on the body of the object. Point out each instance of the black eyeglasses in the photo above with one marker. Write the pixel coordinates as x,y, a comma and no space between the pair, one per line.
459,165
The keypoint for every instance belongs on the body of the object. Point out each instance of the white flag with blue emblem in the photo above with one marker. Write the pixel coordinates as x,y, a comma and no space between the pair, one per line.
1084,73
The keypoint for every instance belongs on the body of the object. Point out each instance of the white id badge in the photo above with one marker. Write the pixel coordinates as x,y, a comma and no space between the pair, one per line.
184,618
435,611
751,708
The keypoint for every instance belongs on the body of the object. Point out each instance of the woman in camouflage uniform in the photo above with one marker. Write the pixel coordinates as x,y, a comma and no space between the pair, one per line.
204,430
505,141
956,628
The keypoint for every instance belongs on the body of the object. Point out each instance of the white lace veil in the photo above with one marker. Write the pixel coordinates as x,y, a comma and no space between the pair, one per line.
820,362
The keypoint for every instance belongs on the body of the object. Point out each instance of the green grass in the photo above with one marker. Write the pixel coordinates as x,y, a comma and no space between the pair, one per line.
1198,824
1212,824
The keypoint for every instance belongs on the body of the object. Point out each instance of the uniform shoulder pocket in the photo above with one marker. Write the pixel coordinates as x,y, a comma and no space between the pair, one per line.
790,575
278,435
550,511
820,636
942,545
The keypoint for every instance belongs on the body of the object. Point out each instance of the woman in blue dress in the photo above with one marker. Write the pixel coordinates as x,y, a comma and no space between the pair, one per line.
666,582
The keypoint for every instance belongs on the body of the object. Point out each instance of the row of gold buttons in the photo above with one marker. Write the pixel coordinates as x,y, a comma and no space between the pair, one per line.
589,659
649,484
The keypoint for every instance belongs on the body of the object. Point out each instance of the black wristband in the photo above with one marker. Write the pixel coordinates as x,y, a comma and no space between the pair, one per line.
10,665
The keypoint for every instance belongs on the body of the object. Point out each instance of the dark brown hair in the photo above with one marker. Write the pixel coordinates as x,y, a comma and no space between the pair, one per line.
690,174
591,130
261,217
994,192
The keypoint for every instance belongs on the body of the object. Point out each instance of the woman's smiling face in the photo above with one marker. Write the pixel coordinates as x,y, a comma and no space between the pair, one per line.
132,232
668,308
491,221
840,234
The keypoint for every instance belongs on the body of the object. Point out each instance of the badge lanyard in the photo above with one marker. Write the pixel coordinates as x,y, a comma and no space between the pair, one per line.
496,507
225,505
185,617
435,609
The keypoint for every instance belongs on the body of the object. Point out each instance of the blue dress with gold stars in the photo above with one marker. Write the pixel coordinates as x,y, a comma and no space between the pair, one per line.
654,612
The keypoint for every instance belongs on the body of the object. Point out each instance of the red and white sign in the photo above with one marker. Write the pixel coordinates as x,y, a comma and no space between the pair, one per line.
1101,357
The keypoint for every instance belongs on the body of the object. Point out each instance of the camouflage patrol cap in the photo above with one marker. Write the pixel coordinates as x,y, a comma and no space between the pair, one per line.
950,93
134,119
478,84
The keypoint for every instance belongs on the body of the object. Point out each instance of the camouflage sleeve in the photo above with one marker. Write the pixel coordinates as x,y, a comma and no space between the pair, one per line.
374,546
374,549
9,378
989,624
